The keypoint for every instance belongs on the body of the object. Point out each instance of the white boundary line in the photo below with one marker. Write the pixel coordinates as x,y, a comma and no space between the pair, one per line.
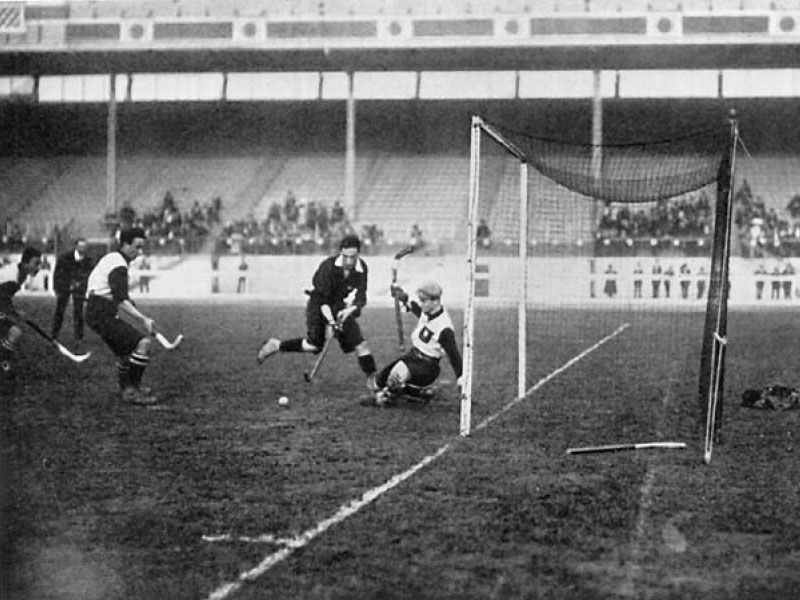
354,506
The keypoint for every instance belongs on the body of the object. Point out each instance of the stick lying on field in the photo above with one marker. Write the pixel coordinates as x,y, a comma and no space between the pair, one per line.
620,447
78,358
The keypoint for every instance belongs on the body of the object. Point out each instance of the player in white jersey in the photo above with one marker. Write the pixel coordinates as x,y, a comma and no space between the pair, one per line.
107,296
415,371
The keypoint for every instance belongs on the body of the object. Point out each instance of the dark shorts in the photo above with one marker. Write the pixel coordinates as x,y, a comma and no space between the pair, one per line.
423,370
5,325
101,317
316,325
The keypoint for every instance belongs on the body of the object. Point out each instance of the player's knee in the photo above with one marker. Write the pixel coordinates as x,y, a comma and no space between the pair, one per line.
143,347
398,376
14,333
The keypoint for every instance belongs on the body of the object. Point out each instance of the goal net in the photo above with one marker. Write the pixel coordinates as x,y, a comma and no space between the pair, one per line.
602,265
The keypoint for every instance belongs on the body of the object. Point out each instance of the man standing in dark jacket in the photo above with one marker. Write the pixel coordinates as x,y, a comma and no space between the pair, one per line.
69,280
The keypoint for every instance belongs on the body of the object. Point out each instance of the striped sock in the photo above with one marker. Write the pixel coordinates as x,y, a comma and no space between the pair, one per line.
137,363
8,348
121,366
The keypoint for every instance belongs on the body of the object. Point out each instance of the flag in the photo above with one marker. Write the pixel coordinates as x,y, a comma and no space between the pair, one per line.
12,17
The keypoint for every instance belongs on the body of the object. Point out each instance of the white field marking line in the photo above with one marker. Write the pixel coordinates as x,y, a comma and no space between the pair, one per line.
354,506
632,567
266,538
558,371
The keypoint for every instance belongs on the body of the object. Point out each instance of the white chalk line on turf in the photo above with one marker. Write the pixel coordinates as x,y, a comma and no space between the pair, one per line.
354,506
647,493
555,373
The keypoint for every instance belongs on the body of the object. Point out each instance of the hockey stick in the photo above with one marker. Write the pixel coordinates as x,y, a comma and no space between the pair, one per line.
166,343
309,375
78,358
398,317
620,447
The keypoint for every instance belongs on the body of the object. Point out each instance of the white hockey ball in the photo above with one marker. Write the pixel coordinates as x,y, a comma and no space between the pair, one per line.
283,400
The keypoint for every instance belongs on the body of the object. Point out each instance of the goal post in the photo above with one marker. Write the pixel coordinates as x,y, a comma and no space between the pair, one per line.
560,212
479,126
715,334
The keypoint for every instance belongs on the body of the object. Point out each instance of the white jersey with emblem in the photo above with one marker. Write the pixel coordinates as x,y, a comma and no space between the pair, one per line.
98,283
426,335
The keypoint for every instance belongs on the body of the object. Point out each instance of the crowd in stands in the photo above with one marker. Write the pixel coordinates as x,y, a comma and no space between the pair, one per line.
309,227
689,216
171,230
295,227
763,231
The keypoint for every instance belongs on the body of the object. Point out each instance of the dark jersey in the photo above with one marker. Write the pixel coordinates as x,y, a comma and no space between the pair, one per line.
9,286
331,287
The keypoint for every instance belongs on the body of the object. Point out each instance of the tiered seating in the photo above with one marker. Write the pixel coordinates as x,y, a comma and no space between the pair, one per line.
428,190
316,178
143,182
76,197
23,180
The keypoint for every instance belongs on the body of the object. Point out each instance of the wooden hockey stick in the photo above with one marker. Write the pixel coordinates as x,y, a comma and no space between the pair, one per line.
398,316
166,343
309,375
78,358
621,447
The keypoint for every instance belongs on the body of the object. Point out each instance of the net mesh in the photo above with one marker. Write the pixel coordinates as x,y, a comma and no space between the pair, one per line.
619,245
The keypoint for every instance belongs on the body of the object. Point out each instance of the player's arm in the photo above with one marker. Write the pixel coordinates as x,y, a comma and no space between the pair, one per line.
402,297
448,341
361,291
118,281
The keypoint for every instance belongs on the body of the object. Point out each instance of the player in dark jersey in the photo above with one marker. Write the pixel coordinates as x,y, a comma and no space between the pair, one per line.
338,296
107,297
11,319
414,372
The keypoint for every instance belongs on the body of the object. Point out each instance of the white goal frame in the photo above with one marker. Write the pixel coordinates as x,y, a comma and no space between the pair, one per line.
480,127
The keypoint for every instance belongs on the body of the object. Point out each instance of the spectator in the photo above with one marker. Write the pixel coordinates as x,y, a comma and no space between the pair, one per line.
610,287
415,237
70,281
483,234
241,284
685,282
788,271
337,214
144,274
45,270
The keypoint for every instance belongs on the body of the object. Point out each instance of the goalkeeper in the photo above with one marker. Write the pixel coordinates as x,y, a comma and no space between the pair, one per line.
416,370
338,296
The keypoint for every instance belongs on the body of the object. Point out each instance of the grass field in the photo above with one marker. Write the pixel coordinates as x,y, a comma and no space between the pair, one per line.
219,492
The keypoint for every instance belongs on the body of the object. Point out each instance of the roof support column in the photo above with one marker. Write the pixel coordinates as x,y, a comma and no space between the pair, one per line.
111,155
350,152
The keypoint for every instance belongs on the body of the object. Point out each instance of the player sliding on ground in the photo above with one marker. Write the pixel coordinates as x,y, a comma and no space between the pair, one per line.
11,319
414,372
107,293
337,279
